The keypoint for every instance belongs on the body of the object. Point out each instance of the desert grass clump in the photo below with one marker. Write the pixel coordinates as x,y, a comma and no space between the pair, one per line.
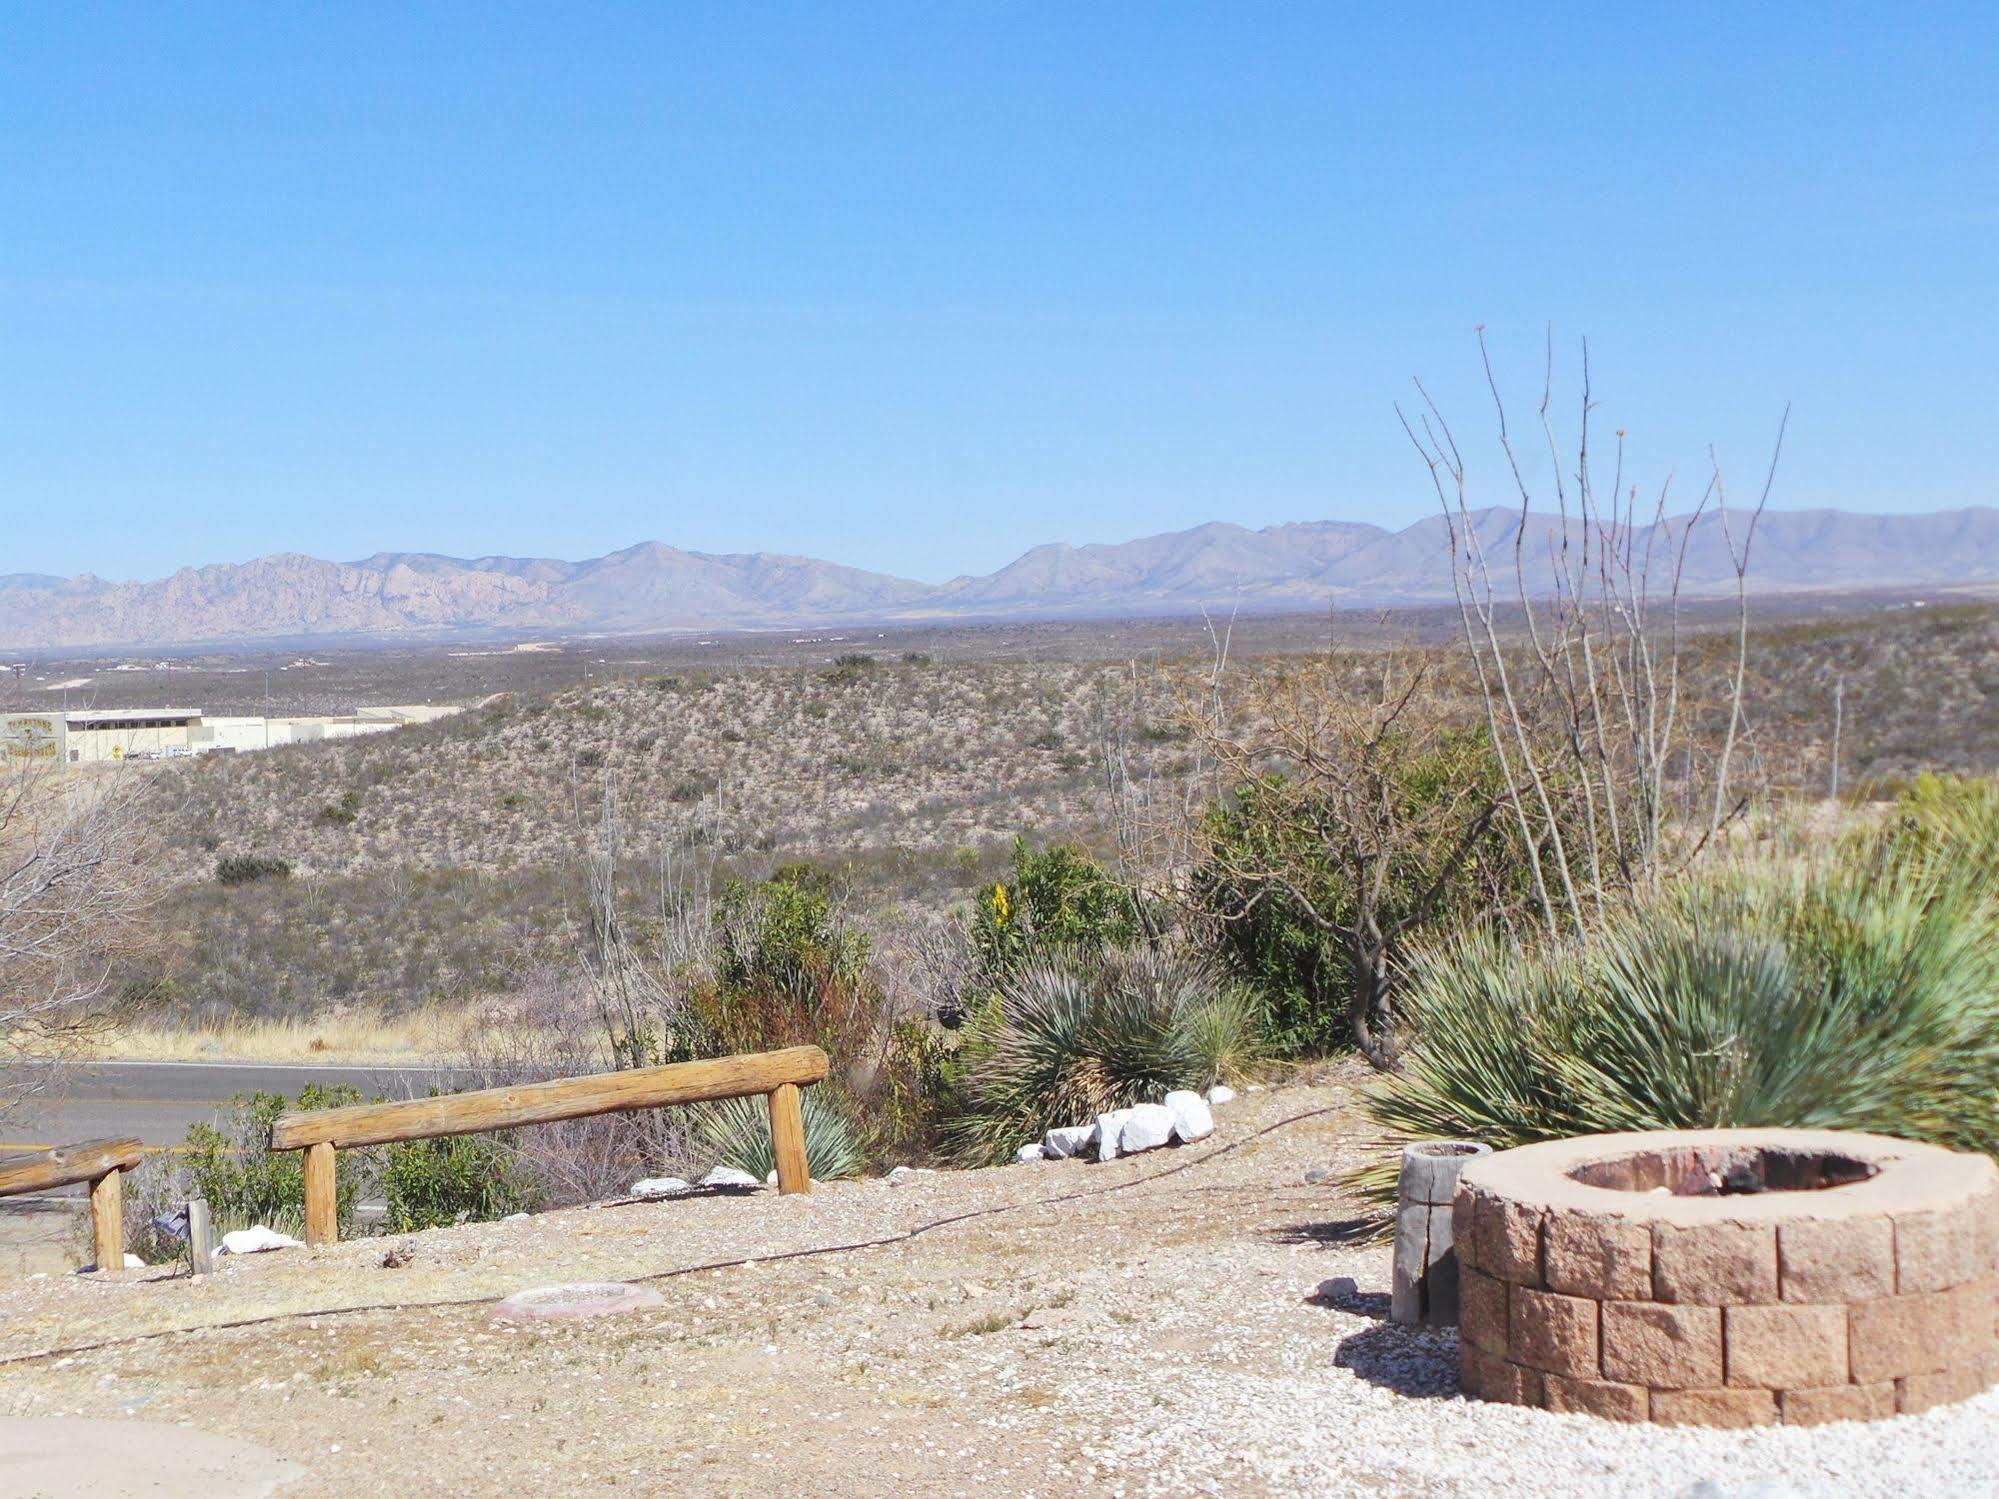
1859,992
1068,1038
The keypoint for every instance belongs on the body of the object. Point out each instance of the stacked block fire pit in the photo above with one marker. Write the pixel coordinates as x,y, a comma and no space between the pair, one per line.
1728,1277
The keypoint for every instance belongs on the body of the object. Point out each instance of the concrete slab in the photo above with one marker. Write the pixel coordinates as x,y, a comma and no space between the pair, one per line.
62,1457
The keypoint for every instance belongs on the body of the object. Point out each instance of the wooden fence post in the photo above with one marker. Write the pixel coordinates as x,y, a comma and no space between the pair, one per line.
200,1237
787,1139
322,1201
1424,1287
107,1221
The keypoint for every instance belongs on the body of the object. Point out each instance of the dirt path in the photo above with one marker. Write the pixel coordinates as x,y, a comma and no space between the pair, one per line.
1189,1321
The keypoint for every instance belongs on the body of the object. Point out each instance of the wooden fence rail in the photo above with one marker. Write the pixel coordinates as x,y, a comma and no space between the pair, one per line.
777,1075
98,1162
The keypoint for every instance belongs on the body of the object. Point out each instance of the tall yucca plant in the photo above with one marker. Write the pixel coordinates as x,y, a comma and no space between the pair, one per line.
1862,993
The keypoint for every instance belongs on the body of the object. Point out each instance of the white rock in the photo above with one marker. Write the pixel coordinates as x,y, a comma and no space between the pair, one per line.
729,1176
1070,1139
1221,1093
652,1188
902,1176
1192,1119
1146,1127
771,1180
1029,1152
255,1241
1108,1129
519,1217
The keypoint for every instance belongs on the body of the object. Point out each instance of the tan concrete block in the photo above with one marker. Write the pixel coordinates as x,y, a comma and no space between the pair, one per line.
1714,1264
1509,1239
1921,1392
1597,1397
1900,1335
1554,1333
1605,1258
1845,1402
1464,1230
1826,1260
1512,1385
1665,1347
1985,1209
1784,1346
1731,1408
1472,1363
1938,1248
1978,1317
1482,1316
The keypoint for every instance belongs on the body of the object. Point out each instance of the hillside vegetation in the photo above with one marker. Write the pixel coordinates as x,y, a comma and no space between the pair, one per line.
436,863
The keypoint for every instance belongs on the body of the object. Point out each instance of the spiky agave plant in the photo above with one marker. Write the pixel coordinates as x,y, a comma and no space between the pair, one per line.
736,1132
1862,993
1075,1036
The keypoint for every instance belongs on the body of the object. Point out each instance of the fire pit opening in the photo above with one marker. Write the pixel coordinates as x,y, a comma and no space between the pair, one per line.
1715,1171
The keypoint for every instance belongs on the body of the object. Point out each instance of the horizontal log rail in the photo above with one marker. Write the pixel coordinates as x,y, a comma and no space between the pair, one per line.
98,1162
777,1075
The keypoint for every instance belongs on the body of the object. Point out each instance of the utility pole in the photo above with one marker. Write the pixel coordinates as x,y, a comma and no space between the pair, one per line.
1838,714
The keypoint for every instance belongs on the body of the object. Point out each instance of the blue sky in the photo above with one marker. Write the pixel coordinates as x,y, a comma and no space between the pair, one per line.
917,286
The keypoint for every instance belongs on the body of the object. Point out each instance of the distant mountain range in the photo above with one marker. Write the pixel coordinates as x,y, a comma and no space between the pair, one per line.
654,587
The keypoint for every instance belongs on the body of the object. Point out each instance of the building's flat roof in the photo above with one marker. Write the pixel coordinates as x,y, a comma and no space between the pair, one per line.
129,715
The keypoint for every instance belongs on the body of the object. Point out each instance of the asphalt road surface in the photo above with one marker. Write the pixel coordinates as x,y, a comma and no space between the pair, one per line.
157,1101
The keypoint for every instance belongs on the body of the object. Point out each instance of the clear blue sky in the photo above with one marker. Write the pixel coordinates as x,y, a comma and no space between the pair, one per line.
917,286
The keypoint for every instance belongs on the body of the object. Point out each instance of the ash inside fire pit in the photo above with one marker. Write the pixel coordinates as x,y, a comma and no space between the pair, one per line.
1721,1172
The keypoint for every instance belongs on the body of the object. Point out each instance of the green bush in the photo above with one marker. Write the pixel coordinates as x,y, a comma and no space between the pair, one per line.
736,1132
1060,900
1070,1039
458,1179
1275,826
1857,993
246,1182
242,869
342,813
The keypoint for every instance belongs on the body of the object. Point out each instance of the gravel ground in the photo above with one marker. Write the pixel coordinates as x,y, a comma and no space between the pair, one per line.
1192,1321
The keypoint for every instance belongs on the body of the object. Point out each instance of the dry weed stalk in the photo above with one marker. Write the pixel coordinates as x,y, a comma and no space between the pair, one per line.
1583,695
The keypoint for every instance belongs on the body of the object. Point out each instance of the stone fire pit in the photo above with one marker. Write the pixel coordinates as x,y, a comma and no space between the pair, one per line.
1728,1277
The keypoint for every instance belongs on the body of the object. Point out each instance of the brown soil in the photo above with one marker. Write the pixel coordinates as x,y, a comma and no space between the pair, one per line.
991,1353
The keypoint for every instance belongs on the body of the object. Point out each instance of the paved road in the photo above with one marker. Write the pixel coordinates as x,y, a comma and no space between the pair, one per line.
157,1101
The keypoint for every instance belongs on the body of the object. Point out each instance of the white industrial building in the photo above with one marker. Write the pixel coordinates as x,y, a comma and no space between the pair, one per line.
113,735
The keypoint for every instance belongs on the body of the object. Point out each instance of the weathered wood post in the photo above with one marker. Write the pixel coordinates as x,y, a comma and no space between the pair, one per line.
322,1199
107,1221
200,1237
787,1139
1425,1287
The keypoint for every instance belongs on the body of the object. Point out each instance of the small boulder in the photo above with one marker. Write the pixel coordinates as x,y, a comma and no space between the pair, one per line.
1029,1152
1192,1119
902,1176
1068,1140
731,1178
255,1240
1220,1094
653,1188
1107,1132
1146,1127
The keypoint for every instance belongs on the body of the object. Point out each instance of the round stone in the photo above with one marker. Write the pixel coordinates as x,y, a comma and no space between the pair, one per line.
599,1298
